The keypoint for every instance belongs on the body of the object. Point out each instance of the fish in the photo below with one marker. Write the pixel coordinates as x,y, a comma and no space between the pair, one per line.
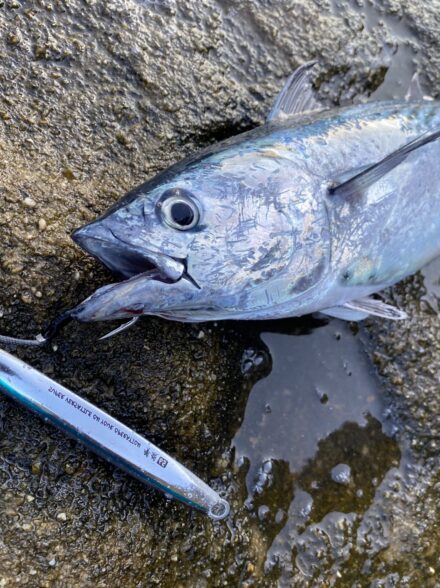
316,210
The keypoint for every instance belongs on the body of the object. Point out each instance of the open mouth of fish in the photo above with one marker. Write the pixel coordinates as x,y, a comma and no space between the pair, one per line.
127,260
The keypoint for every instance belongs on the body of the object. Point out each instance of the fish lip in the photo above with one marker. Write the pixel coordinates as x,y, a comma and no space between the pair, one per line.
126,260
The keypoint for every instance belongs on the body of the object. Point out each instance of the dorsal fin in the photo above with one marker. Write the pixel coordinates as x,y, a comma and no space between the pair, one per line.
371,174
297,94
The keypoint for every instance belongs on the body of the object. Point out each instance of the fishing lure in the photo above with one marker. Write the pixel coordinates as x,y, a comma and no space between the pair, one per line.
106,436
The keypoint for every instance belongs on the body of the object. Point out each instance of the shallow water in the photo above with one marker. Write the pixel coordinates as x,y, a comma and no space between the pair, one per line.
319,381
316,440
322,452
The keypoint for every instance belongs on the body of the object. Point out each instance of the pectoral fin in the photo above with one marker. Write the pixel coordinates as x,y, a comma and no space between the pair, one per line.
372,173
297,95
357,310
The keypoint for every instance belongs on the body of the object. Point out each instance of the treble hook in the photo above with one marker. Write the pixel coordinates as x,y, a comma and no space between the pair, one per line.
120,329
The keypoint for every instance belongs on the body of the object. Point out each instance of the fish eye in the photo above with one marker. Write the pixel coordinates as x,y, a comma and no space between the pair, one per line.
178,210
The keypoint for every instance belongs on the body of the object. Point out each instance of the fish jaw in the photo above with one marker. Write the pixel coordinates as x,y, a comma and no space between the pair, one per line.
147,293
123,258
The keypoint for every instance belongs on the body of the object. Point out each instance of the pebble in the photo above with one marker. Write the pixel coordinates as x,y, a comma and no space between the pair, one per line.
29,202
323,396
15,269
251,360
13,39
69,468
279,516
42,224
36,468
341,474
61,516
26,298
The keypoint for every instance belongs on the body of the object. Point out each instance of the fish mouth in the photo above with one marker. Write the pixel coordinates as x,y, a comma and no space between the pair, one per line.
128,260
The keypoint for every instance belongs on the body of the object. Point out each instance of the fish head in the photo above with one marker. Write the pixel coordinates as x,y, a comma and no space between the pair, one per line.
195,242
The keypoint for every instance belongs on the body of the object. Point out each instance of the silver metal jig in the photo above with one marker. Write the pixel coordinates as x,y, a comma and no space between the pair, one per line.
106,436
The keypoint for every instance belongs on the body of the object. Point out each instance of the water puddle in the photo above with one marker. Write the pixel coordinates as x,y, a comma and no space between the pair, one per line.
316,442
319,381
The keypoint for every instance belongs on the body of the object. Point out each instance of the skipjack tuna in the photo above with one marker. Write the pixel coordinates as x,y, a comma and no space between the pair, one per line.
315,210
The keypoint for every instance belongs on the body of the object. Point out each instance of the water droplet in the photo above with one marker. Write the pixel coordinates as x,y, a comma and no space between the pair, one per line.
263,512
341,474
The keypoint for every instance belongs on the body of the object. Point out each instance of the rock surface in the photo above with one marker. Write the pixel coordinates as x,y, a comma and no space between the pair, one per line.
96,97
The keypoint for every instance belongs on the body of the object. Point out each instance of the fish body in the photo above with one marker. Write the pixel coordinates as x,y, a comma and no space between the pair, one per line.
252,228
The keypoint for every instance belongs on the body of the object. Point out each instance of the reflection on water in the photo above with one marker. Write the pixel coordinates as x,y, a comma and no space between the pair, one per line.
316,441
318,382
